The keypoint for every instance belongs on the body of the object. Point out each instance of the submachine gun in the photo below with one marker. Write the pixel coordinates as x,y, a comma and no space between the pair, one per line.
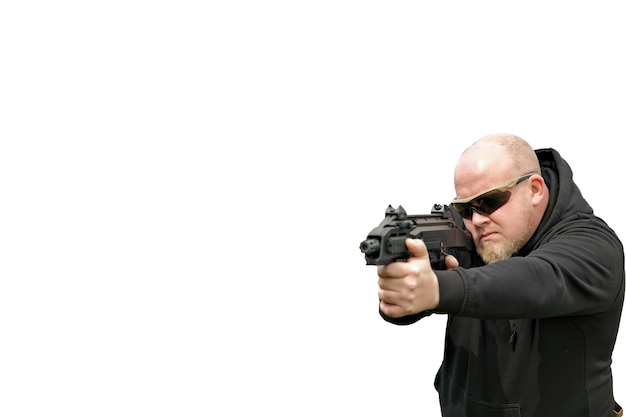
441,234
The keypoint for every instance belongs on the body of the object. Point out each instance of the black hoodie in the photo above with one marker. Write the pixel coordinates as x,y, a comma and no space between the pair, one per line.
533,335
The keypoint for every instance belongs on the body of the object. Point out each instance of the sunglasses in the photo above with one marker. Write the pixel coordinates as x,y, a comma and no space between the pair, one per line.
486,202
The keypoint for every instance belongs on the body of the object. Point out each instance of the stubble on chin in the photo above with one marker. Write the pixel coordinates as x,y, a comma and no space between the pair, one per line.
492,252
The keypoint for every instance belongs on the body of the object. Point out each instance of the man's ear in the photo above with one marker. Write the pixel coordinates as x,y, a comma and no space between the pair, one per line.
538,188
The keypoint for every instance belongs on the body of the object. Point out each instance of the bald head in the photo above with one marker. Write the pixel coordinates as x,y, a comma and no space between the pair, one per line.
495,158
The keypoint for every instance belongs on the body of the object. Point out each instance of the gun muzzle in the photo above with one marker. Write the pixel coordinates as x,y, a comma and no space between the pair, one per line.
370,247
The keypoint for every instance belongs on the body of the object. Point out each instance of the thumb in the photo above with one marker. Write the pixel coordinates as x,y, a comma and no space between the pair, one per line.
417,247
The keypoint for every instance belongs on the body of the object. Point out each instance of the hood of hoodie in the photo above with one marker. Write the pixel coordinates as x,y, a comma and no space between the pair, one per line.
565,198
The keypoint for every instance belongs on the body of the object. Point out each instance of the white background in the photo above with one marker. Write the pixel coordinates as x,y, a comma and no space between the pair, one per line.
185,185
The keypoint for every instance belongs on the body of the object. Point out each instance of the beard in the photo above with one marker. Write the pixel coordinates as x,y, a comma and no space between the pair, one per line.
491,252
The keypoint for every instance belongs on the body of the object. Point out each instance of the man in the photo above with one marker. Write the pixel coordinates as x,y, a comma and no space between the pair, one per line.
532,331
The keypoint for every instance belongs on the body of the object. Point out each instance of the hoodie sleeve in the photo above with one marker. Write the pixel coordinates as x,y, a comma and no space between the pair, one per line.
405,320
577,270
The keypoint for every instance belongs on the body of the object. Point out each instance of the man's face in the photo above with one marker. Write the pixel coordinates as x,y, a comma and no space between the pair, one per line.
503,232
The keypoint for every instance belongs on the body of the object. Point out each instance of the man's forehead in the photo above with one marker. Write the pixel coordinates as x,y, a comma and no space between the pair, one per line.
476,175
483,164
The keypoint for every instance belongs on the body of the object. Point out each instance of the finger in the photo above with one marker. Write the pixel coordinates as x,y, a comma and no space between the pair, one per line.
392,270
451,262
417,247
390,283
392,310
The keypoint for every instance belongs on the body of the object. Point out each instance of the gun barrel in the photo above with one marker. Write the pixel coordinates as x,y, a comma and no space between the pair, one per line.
370,247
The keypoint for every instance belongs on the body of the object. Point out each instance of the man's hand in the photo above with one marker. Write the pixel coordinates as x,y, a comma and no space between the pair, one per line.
410,287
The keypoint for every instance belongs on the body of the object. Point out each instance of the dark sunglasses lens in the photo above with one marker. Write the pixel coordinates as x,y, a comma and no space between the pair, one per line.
485,204
492,202
464,209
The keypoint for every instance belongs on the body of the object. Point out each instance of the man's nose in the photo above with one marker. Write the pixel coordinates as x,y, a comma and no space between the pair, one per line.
478,217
